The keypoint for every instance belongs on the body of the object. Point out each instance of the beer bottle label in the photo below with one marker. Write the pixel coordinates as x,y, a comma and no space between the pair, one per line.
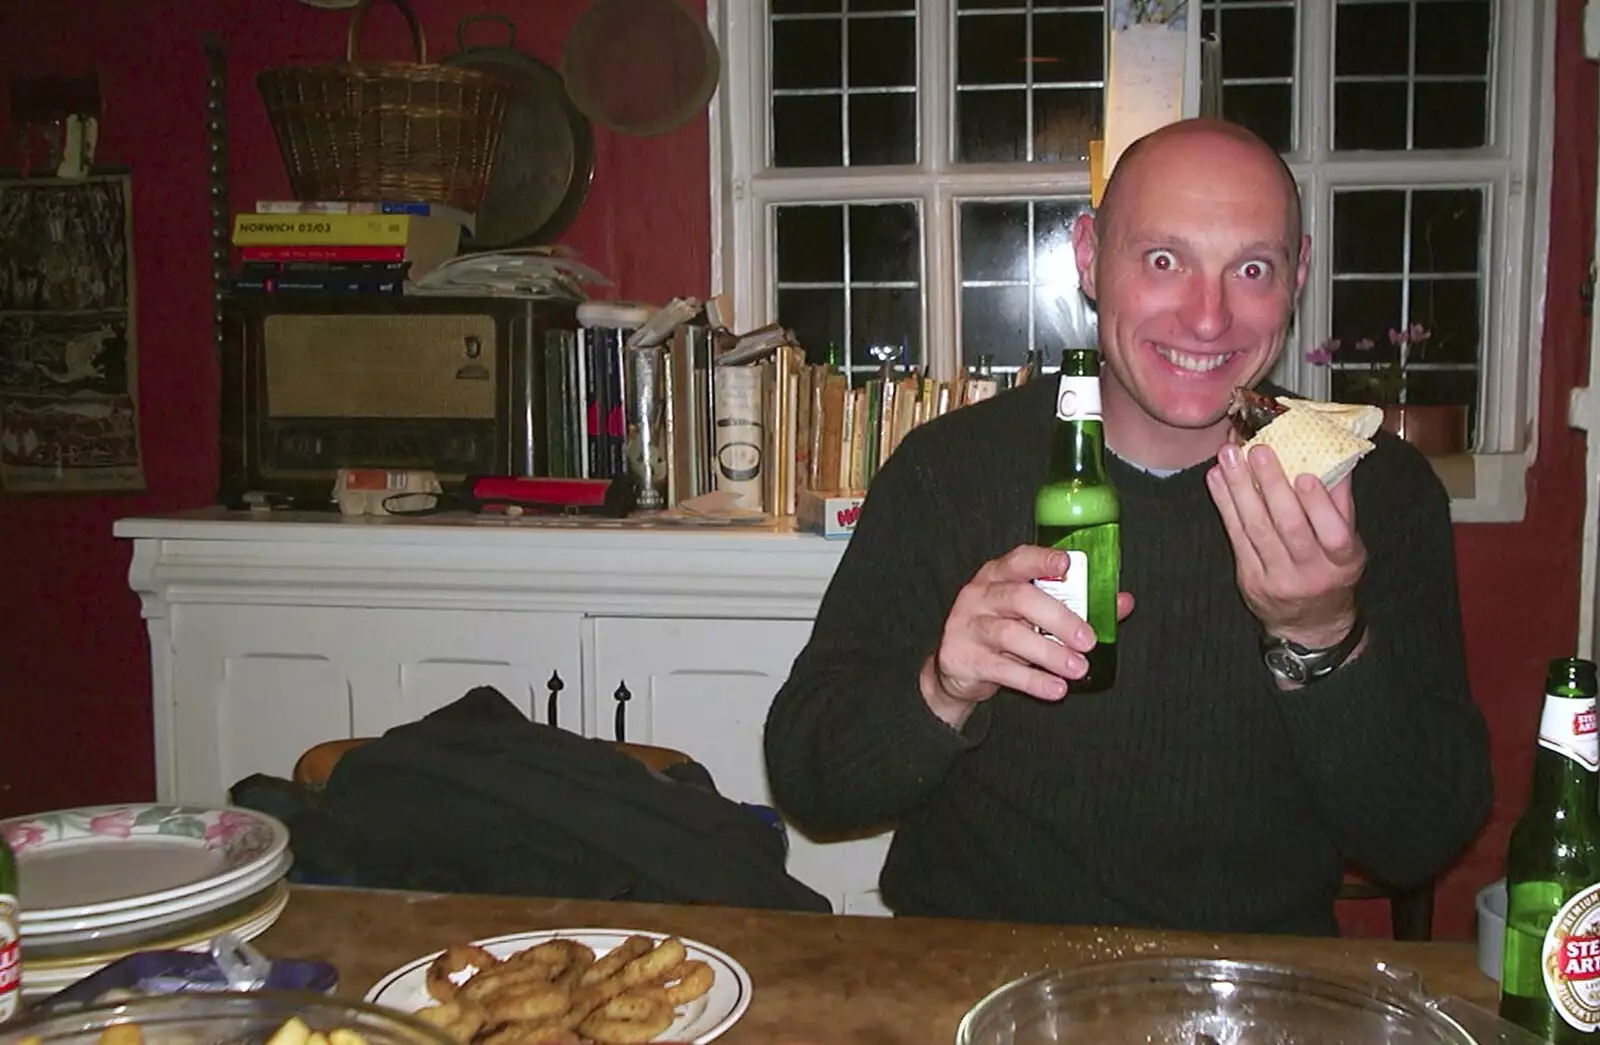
1567,727
10,957
1078,398
1072,591
1571,960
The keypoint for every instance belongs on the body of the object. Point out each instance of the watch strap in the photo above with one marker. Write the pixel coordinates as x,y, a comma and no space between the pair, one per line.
1293,662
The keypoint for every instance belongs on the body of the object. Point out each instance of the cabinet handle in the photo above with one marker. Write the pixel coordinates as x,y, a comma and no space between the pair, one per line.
621,696
552,707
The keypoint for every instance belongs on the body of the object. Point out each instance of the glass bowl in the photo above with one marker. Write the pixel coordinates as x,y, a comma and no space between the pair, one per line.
221,1018
1195,1001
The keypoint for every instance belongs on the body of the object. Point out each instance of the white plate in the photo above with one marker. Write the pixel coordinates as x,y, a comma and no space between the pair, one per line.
51,976
74,863
699,1022
151,916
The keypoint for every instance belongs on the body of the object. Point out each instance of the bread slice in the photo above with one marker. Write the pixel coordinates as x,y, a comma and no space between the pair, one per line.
1361,419
1315,441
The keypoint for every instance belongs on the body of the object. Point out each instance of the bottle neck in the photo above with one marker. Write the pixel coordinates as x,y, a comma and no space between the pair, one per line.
1568,754
1078,441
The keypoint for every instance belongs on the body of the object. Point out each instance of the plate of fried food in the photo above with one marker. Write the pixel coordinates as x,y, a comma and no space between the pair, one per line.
572,987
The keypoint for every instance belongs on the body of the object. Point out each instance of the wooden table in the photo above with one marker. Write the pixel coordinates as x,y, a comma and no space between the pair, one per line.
818,978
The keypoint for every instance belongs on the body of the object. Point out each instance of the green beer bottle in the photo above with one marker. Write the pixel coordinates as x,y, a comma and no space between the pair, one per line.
1550,965
1076,509
10,934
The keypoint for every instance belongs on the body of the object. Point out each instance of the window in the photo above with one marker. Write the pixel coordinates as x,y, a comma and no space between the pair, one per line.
898,178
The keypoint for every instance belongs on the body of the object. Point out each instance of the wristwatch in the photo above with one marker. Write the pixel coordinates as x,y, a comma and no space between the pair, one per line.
1295,663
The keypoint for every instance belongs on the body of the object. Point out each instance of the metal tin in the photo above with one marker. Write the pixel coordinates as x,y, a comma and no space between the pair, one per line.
646,445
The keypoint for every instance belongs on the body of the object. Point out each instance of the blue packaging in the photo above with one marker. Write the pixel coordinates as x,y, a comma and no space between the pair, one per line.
172,972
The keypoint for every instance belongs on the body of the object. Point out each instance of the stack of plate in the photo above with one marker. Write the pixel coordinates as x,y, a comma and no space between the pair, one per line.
102,882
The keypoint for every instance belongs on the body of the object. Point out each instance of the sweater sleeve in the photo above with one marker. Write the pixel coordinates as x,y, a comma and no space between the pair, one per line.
1391,746
850,743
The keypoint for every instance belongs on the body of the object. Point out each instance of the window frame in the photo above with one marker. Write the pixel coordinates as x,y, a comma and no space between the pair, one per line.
1516,171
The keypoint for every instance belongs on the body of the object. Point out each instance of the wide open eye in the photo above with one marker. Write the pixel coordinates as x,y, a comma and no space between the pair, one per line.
1162,260
1255,270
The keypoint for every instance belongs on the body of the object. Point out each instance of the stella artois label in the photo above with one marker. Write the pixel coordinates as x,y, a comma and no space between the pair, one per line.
10,957
1078,398
1571,960
1567,727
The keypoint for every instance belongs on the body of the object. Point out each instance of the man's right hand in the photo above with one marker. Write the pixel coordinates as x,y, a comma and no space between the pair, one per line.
990,638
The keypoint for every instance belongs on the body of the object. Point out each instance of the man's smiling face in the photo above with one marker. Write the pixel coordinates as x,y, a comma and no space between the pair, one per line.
1195,263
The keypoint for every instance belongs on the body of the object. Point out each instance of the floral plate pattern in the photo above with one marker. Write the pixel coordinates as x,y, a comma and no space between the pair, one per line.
238,841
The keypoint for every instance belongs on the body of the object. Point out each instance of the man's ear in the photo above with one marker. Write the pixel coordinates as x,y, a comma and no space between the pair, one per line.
1085,247
1303,267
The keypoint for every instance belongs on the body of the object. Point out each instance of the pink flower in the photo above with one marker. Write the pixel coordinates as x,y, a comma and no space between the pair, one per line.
1323,353
1398,337
116,825
1419,333
229,825
1365,344
24,836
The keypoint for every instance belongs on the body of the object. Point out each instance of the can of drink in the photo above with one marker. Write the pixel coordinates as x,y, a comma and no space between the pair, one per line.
646,423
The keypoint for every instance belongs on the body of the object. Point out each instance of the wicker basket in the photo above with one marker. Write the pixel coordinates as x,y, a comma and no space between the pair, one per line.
386,130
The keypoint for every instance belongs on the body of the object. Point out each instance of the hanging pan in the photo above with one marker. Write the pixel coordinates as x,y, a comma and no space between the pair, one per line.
641,67
546,158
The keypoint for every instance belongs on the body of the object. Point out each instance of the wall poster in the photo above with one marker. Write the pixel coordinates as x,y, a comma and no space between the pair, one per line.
68,362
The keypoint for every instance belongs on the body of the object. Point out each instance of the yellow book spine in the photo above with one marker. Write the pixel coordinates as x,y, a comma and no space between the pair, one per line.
342,230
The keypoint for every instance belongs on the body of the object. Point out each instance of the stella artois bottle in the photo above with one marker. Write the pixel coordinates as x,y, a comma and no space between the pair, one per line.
1550,972
10,935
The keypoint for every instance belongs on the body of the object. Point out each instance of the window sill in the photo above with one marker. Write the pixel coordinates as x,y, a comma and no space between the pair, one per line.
1484,488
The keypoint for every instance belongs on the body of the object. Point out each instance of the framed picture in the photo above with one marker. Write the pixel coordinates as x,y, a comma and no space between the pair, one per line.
69,398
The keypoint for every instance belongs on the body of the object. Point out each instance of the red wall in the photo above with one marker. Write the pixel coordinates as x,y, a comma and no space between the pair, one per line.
74,674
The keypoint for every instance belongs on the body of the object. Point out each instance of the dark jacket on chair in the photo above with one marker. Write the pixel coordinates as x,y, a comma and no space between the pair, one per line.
476,798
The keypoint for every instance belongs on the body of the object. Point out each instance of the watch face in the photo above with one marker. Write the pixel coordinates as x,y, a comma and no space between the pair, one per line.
1286,665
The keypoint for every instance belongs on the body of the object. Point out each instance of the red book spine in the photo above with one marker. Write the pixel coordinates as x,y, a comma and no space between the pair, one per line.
334,253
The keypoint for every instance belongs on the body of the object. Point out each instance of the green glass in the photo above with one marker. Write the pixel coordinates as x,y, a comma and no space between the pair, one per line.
1076,510
10,935
1554,853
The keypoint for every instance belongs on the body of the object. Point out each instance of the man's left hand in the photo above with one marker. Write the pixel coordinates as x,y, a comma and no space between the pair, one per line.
1297,553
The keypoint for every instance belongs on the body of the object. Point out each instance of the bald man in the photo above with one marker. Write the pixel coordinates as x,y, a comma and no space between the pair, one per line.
1201,791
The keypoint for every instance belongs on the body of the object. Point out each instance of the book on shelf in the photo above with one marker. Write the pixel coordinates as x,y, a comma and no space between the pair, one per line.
467,221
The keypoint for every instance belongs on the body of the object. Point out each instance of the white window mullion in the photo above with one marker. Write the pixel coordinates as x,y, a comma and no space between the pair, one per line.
1315,88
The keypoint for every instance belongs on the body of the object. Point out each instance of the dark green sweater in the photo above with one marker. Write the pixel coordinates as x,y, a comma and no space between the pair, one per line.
1193,794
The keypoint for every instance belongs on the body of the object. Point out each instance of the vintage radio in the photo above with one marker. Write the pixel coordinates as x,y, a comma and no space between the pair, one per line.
311,385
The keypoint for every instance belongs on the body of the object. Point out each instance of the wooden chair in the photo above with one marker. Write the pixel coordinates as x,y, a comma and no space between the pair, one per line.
1410,910
315,766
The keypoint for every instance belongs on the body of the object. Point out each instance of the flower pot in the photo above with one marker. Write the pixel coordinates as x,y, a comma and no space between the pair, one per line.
1436,431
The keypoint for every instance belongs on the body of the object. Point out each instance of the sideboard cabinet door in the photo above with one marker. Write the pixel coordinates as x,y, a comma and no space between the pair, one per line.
704,687
429,658
255,686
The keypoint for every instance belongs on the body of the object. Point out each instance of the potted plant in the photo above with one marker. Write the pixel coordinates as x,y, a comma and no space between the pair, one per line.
1437,430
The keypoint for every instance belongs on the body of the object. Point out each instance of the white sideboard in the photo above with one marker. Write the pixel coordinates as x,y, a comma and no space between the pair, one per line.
271,633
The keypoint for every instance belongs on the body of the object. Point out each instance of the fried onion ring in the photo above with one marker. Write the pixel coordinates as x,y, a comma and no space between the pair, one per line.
528,1003
616,958
442,979
687,982
483,988
612,1030
461,1022
533,1034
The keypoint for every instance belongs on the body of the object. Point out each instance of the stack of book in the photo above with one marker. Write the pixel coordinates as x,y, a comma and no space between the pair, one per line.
343,248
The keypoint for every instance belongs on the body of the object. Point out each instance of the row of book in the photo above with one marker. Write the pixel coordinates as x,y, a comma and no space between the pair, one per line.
343,248
764,429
